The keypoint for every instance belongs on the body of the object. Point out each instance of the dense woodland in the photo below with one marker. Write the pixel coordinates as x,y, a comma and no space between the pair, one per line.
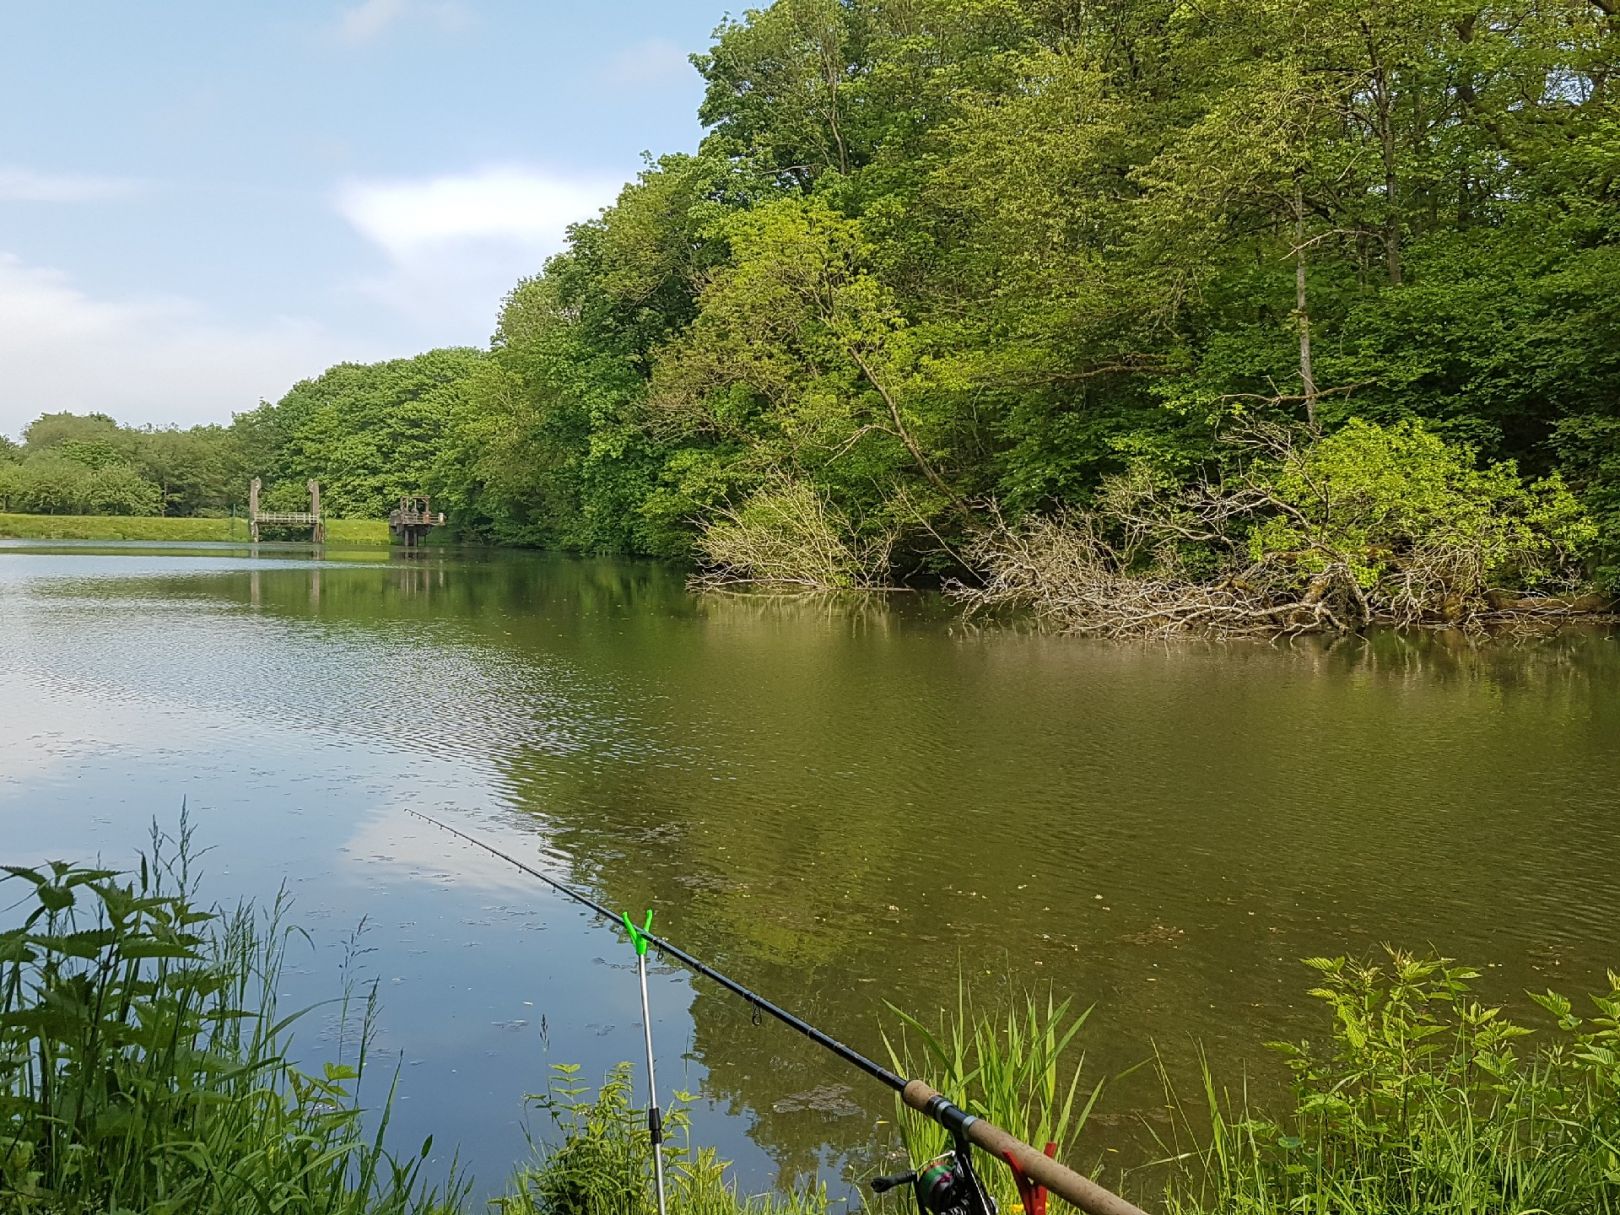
1303,308
87,464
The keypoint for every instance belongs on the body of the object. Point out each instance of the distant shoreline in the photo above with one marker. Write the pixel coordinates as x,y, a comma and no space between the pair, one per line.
367,532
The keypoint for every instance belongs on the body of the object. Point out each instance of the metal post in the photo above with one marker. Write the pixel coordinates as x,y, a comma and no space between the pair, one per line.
318,535
655,1119
640,938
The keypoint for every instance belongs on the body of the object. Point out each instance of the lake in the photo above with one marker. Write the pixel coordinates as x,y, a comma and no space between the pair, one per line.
840,804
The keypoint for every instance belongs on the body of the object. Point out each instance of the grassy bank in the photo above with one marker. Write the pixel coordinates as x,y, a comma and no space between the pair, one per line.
355,532
143,1067
1418,1098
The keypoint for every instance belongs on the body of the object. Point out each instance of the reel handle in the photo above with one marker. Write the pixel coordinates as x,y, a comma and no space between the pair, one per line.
882,1185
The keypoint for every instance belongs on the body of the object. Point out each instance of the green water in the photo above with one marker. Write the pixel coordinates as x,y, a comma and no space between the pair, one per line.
840,804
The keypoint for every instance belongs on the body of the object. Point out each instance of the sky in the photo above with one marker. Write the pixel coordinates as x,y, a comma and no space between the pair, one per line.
202,203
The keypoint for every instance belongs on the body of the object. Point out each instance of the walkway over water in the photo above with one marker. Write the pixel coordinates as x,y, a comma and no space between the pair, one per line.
311,518
410,522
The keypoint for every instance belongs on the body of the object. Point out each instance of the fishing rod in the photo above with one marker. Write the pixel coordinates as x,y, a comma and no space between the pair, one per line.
947,1185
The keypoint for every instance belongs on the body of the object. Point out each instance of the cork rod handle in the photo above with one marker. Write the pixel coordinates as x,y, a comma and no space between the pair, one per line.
1059,1179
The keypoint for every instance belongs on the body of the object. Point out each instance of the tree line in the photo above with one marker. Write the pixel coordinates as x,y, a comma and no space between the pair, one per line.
943,268
367,432
88,464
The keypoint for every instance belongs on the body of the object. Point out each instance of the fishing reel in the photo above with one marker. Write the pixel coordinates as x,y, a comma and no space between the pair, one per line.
946,1185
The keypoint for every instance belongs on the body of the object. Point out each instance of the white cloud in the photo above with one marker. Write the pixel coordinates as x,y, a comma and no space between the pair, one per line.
148,359
456,244
367,20
651,64
370,19
507,205
18,184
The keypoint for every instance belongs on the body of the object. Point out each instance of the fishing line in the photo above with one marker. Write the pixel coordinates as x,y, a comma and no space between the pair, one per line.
945,1186
847,1053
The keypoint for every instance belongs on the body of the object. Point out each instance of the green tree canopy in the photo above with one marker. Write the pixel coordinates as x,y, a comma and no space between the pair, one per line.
367,432
943,262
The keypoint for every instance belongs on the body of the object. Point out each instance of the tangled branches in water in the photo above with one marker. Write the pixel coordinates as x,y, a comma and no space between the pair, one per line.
1301,534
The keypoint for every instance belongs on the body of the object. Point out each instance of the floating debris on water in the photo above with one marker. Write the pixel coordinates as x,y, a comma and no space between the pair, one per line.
830,1099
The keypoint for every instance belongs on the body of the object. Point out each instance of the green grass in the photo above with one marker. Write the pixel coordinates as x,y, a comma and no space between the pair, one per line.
144,1067
357,531
367,532
601,1163
143,1063
1016,1063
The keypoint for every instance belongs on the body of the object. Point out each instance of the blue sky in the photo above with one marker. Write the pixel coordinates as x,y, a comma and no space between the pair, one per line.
202,202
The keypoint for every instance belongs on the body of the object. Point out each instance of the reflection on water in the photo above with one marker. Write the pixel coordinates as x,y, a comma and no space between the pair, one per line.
842,804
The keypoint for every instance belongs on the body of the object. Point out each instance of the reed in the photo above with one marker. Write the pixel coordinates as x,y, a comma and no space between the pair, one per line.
1015,1062
143,1061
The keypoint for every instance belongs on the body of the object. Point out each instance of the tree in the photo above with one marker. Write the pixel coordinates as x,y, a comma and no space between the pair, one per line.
551,443
54,429
799,360
367,433
780,83
119,489
940,265
47,484
1369,525
197,470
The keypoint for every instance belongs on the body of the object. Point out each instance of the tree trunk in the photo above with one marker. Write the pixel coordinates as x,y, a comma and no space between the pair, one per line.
903,432
1302,312
1384,123
832,66
1392,219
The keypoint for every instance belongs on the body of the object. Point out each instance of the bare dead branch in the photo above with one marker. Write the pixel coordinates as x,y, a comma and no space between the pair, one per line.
1136,564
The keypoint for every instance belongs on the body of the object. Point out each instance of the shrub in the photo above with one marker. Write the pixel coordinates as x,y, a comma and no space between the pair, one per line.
790,534
1424,1101
143,1066
1372,524
1398,504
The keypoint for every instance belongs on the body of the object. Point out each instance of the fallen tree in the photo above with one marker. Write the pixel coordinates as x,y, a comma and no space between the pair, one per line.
1299,533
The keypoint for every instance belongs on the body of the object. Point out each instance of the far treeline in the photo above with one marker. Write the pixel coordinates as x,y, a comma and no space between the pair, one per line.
1246,316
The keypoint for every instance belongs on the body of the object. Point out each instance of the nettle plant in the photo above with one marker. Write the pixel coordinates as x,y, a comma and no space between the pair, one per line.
143,1065
1425,1099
